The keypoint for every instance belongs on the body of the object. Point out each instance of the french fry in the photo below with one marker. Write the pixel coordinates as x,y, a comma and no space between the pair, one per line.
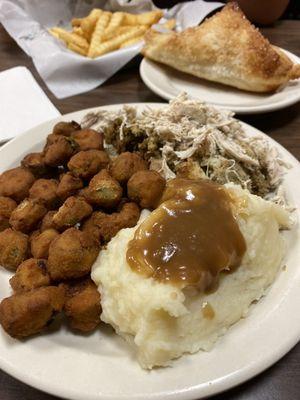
76,21
88,24
115,43
119,31
130,19
95,14
98,33
78,30
114,23
53,33
148,18
77,49
69,37
131,41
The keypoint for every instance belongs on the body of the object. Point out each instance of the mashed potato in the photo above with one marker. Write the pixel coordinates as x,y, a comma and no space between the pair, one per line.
164,321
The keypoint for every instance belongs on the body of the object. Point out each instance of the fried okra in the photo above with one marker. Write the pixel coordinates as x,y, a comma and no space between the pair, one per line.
15,183
58,150
71,212
4,223
88,139
44,191
104,190
65,128
86,164
25,314
146,188
125,165
82,306
71,255
68,185
35,163
47,221
7,206
13,248
105,226
27,215
31,274
40,242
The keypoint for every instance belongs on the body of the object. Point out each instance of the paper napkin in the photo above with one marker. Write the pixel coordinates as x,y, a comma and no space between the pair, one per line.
23,104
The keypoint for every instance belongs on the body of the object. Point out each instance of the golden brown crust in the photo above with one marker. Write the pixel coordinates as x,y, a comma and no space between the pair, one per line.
225,48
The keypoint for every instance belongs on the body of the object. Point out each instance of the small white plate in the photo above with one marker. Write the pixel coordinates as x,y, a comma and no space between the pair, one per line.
167,82
100,366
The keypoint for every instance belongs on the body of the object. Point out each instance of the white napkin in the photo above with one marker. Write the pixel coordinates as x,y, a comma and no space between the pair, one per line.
67,73
23,104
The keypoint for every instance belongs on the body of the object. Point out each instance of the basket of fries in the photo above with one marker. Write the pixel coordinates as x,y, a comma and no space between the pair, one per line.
101,32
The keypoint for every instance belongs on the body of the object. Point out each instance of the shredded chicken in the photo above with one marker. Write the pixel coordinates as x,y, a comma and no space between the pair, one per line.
188,134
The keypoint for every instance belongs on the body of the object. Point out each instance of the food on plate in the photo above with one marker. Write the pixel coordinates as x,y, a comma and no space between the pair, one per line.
145,188
7,205
190,269
65,128
72,212
40,242
104,226
86,164
47,221
58,150
13,248
45,192
225,48
88,139
15,183
68,185
125,165
24,314
104,190
82,306
190,134
155,204
27,215
35,163
71,255
68,204
31,274
101,31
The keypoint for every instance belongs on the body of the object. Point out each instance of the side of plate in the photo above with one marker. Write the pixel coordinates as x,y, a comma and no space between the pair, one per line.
168,83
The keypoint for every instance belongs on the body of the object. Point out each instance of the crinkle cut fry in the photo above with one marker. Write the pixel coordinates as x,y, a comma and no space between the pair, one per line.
115,43
148,18
88,24
132,41
98,34
114,22
69,37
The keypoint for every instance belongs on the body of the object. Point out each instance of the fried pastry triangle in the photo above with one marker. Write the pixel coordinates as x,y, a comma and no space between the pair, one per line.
225,48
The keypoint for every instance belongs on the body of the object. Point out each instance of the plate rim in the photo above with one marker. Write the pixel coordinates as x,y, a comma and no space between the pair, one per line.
194,392
242,110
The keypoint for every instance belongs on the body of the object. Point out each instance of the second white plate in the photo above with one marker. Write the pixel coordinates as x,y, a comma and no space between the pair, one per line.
168,83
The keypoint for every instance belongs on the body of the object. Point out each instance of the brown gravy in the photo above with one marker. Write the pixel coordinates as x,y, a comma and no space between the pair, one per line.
190,238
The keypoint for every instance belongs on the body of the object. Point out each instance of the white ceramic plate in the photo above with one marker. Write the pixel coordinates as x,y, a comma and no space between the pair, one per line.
168,83
100,366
